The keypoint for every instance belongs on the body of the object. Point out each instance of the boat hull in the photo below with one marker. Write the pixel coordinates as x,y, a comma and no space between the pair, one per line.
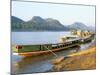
36,53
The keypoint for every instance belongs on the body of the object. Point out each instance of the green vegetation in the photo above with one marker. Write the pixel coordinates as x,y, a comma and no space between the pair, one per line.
36,24
39,24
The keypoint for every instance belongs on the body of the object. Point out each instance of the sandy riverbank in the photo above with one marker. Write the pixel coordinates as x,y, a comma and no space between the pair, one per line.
83,60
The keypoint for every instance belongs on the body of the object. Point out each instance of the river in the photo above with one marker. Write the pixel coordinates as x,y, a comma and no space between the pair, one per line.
41,63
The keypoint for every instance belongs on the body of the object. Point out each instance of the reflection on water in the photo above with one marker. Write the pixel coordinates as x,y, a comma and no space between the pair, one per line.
42,63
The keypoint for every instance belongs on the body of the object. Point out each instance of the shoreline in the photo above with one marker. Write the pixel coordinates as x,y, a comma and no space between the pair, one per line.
83,60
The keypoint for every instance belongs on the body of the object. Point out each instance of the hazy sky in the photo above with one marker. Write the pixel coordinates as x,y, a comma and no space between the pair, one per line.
66,14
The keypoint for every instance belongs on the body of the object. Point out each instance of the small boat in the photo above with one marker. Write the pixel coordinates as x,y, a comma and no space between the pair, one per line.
34,50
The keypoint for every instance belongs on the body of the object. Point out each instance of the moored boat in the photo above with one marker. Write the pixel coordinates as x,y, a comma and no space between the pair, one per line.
34,50
39,49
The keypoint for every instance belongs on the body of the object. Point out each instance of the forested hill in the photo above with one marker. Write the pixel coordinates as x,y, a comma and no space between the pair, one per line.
36,24
39,24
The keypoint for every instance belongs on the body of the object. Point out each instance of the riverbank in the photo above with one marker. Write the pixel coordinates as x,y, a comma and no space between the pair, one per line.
83,60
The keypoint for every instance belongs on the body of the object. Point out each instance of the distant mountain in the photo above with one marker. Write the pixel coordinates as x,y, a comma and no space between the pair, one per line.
37,24
80,26
37,19
16,23
55,24
15,19
92,28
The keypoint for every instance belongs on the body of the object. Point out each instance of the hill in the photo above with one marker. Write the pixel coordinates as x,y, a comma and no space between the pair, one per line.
37,24
80,26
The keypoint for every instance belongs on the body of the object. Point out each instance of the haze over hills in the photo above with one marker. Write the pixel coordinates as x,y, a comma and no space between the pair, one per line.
39,24
81,26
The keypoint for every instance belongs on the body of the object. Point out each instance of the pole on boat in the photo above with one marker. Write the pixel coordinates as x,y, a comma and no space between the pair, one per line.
51,51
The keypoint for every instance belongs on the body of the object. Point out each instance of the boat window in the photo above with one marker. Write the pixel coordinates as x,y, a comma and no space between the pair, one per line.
63,45
54,45
58,46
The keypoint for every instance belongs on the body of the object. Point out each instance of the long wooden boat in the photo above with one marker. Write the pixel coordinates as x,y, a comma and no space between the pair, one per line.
35,53
34,50
39,49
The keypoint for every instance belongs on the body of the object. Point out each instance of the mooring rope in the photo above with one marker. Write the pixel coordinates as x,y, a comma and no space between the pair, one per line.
51,52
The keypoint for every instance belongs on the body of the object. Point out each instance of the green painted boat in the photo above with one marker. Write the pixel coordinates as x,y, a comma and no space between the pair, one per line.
34,50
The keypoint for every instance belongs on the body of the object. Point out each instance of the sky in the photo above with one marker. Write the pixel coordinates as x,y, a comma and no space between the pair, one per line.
66,14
